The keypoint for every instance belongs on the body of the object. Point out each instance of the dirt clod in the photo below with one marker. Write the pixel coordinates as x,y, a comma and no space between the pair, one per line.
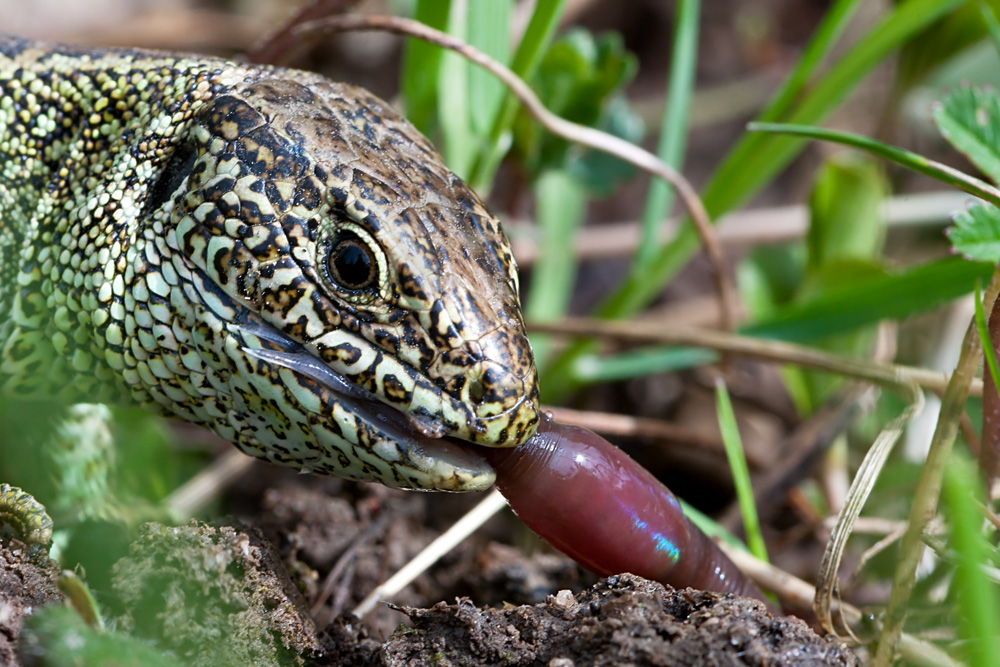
623,620
26,583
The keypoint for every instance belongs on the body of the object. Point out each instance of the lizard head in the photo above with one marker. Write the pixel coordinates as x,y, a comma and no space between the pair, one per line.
361,301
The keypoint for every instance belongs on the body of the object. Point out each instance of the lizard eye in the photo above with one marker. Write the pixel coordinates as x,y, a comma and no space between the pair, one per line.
178,168
351,263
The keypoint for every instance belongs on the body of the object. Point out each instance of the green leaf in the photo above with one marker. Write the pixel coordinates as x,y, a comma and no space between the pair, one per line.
489,31
62,639
453,101
837,310
150,465
940,42
769,278
831,276
969,118
990,17
846,232
674,124
532,48
870,300
756,159
578,77
976,233
845,212
639,363
836,274
599,172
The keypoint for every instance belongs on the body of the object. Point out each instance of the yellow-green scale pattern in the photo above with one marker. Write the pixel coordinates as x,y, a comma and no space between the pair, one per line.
162,214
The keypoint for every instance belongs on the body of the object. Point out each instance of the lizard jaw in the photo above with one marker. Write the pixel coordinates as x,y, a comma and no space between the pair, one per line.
422,444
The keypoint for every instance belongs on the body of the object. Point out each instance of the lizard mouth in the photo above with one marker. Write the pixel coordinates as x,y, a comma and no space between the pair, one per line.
421,446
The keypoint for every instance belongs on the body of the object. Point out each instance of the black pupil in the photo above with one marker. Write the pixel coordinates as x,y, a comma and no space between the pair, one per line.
352,265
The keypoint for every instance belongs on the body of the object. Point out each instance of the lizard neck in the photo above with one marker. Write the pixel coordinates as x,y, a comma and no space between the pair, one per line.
84,136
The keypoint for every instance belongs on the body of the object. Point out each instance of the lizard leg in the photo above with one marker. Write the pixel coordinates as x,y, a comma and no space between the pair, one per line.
82,452
64,455
20,512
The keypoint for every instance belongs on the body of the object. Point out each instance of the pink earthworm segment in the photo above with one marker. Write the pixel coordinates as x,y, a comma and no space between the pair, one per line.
594,503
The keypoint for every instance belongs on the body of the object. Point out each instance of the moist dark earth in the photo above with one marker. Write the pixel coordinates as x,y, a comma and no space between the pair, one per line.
226,593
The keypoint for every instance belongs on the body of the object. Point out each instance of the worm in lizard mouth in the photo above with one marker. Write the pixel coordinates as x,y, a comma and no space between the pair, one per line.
421,444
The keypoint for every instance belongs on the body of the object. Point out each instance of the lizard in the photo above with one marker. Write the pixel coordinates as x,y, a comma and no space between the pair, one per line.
287,261
276,256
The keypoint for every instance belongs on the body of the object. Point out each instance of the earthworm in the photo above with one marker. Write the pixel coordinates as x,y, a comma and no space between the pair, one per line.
590,500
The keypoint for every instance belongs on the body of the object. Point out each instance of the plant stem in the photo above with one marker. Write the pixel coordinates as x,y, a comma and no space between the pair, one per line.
929,487
890,375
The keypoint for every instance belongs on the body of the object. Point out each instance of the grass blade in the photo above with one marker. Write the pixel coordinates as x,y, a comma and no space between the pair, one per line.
889,296
421,67
918,163
991,24
639,363
489,31
928,489
978,617
673,127
561,205
535,42
753,162
453,102
741,473
984,335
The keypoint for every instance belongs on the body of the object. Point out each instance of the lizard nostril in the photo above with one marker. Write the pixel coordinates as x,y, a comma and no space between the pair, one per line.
492,385
477,390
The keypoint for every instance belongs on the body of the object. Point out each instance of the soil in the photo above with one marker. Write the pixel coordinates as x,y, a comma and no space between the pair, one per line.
25,584
225,593
622,620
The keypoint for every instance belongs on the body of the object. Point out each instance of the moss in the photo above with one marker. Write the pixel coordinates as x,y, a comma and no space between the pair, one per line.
212,595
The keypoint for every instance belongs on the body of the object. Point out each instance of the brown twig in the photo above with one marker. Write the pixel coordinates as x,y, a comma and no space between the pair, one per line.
194,495
342,593
652,333
990,516
338,569
989,446
279,46
585,136
970,435
798,593
627,426
754,226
